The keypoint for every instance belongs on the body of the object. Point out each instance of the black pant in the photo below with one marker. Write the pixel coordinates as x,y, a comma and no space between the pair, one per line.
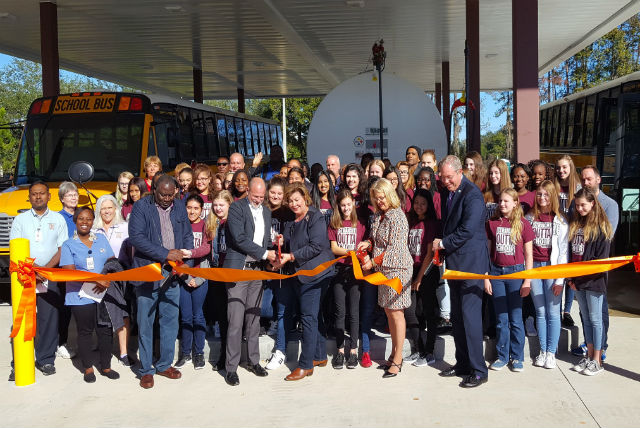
64,318
216,303
86,317
345,287
423,312
48,308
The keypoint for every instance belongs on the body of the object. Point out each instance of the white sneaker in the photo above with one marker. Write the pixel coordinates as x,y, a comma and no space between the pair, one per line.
530,327
411,358
276,360
593,368
581,365
550,361
64,352
540,359
424,360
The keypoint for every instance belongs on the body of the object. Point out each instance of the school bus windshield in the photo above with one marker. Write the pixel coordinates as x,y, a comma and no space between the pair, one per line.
111,142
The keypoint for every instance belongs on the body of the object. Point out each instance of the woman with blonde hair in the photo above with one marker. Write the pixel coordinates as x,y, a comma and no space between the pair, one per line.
152,165
474,165
391,257
202,186
497,181
590,235
408,183
122,188
550,247
510,240
376,167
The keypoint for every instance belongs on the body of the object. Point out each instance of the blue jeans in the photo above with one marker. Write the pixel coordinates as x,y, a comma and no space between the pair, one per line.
591,309
368,302
166,301
266,307
309,296
285,300
547,311
192,318
569,295
508,307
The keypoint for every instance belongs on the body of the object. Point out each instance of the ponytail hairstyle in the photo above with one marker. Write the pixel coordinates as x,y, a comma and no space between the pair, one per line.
515,218
550,188
594,224
574,179
212,222
505,180
336,216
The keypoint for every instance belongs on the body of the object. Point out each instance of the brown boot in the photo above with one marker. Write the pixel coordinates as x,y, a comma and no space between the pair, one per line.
298,374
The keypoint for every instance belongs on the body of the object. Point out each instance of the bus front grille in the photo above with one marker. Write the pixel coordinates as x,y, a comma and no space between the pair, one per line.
5,229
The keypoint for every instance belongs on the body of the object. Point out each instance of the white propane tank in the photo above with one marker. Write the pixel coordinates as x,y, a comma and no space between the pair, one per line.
346,122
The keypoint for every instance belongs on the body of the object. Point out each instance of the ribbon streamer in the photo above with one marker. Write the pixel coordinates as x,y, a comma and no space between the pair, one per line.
566,270
27,305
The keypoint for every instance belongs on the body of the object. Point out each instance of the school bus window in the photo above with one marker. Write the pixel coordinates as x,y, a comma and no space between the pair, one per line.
212,139
185,149
562,125
263,143
248,138
199,141
570,118
222,135
231,135
240,136
274,135
254,136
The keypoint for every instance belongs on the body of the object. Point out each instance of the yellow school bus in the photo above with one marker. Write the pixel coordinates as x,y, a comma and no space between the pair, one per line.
115,132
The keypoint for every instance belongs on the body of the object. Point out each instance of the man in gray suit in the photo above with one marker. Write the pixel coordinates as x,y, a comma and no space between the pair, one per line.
248,234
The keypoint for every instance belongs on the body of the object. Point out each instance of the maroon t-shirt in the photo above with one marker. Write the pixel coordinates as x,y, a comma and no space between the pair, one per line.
527,200
347,237
492,206
577,246
420,236
201,243
326,209
206,208
504,252
543,229
437,204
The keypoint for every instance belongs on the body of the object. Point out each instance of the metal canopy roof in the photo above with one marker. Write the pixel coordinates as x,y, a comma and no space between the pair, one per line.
293,47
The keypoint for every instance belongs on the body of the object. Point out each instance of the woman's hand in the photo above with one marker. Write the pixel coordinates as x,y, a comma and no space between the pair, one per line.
192,283
525,289
557,289
415,284
487,287
363,245
286,257
572,284
186,254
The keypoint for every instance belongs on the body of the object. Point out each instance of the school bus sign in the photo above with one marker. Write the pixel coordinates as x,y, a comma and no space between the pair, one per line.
86,104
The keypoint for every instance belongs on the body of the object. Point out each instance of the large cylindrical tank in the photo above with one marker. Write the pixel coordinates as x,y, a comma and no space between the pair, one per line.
347,121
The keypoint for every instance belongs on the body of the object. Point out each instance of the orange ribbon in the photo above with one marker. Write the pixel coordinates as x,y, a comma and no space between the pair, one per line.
235,275
151,272
566,270
27,306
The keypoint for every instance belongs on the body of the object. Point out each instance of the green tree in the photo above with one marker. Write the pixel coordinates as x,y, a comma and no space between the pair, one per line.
8,146
494,144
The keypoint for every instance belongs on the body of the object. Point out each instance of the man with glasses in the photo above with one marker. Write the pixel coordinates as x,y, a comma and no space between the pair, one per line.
223,165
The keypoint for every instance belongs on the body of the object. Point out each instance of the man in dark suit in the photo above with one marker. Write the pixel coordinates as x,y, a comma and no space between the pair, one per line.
464,244
248,234
159,228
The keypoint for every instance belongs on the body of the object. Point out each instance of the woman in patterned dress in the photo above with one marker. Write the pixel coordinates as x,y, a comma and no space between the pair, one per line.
391,257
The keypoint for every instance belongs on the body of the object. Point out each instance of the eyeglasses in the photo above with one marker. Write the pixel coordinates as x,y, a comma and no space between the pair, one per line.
404,172
424,180
203,179
393,180
227,181
222,163
124,183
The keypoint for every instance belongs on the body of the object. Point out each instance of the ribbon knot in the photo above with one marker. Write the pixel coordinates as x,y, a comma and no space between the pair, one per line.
25,271
27,306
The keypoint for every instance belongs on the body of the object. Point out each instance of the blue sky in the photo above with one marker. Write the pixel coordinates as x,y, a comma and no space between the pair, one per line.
487,114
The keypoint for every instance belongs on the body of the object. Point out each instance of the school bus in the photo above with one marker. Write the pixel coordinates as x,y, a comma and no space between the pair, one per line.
115,132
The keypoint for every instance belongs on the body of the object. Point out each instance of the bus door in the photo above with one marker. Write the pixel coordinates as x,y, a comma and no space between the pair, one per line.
606,135
628,174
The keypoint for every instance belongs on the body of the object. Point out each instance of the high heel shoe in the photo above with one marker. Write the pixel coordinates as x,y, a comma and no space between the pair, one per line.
385,366
387,373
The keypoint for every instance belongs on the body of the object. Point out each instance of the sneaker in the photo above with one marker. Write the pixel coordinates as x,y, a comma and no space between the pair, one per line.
64,352
581,365
579,351
567,321
593,368
497,365
444,323
540,359
277,359
517,366
366,360
12,375
184,359
603,356
530,327
550,361
338,361
352,360
424,360
198,361
126,361
411,358
46,369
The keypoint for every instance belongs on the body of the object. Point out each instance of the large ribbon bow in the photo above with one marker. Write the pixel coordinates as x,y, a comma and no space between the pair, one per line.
27,306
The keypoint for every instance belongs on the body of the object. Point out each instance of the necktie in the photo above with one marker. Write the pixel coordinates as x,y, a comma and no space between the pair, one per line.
449,200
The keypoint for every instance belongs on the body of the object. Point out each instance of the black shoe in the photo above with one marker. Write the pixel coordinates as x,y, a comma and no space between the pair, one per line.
184,359
111,374
126,361
219,365
352,361
388,374
46,369
472,381
338,360
198,361
450,372
567,321
90,377
12,376
232,379
257,370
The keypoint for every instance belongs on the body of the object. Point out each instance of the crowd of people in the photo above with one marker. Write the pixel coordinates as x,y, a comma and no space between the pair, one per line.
480,217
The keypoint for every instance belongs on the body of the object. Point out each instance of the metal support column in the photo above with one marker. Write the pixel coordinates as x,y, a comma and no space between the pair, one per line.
473,82
49,49
198,95
526,98
446,100
241,100
438,97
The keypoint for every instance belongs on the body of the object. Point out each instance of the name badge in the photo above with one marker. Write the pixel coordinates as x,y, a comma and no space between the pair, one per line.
38,235
90,264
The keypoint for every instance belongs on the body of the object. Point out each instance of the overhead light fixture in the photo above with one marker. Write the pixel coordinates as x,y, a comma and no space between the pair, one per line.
491,55
174,8
6,16
356,4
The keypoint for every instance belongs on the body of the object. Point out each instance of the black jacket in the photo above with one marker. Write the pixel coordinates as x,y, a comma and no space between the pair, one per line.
593,250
